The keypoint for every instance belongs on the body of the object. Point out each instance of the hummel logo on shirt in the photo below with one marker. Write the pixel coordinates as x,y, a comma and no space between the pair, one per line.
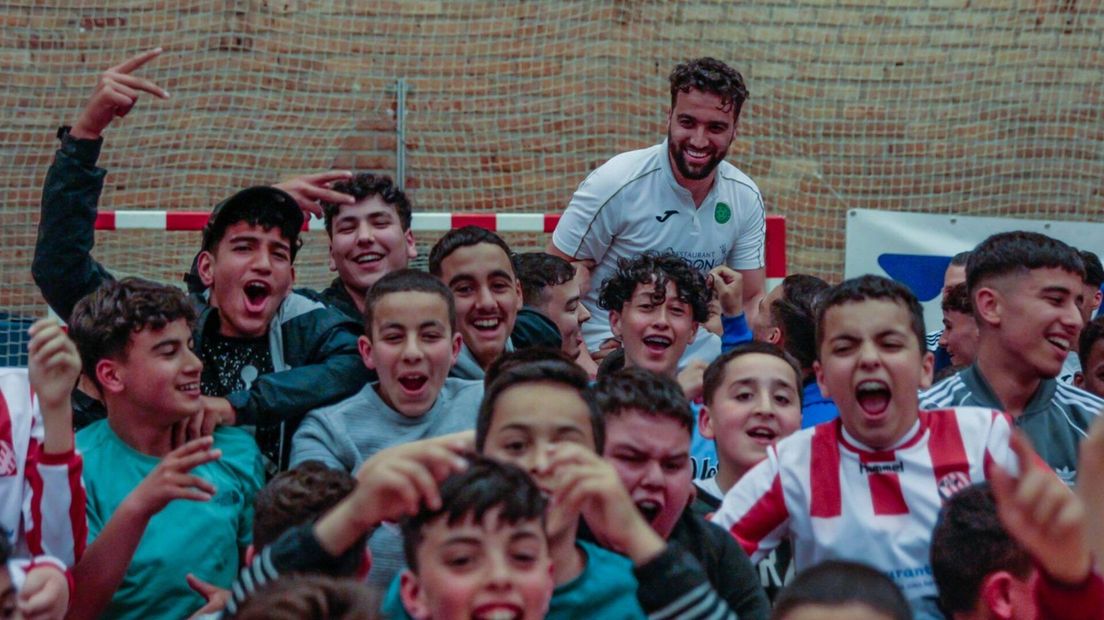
894,467
666,215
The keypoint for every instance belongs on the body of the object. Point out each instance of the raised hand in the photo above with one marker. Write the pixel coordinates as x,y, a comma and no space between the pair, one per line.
215,596
53,370
171,478
116,93
309,190
729,285
1042,514
45,594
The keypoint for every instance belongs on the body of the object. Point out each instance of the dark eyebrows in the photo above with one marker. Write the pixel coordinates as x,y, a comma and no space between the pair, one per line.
462,277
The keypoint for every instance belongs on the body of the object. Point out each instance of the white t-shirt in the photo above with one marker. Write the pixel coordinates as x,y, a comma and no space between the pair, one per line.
633,204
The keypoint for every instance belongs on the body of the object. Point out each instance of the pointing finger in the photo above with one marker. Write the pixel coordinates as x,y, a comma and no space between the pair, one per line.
135,62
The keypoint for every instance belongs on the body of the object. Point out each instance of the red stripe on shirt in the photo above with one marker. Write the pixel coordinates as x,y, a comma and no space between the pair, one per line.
34,533
948,453
885,487
78,515
824,472
761,519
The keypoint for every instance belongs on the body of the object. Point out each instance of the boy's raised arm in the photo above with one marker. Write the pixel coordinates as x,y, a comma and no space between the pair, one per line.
63,267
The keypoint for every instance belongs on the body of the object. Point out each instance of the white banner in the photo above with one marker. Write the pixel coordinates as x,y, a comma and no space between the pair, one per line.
915,248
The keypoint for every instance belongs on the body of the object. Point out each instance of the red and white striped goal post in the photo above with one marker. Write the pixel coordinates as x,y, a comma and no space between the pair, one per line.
424,222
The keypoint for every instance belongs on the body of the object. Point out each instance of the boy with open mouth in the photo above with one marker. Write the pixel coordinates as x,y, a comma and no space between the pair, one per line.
880,472
411,342
270,355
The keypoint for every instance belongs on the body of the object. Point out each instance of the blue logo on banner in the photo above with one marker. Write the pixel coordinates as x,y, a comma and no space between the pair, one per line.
921,273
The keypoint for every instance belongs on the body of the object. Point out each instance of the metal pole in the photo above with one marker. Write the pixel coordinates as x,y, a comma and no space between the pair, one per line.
400,143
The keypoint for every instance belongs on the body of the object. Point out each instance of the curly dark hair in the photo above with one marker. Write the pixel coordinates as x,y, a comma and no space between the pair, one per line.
295,497
1093,331
711,76
365,185
653,267
103,321
957,299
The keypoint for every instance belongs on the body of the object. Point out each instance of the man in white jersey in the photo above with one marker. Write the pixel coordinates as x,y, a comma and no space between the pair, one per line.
679,196
868,486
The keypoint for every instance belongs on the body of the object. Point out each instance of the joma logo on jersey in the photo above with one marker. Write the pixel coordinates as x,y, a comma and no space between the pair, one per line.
895,467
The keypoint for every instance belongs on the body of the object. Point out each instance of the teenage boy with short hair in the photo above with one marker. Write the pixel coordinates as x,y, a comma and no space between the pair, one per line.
787,318
551,285
483,552
134,338
648,427
270,354
410,341
369,238
562,453
960,332
752,401
1026,290
1090,348
474,263
1094,277
880,472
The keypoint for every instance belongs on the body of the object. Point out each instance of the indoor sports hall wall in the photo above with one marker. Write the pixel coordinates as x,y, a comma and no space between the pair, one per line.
985,107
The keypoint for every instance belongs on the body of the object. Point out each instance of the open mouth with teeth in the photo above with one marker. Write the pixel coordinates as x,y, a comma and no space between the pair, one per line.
413,383
697,157
368,258
657,344
873,396
497,612
762,435
649,508
487,324
256,294
1060,343
189,388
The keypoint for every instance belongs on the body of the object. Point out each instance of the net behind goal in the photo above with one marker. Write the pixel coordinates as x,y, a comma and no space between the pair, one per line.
968,106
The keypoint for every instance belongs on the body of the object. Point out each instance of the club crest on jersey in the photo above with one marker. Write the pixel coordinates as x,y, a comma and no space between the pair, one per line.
952,483
722,213
7,459
888,467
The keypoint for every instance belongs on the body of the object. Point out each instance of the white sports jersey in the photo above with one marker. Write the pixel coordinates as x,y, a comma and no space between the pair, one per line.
632,204
42,508
836,499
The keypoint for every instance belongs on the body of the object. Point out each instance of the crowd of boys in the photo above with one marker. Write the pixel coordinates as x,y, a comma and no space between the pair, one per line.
626,426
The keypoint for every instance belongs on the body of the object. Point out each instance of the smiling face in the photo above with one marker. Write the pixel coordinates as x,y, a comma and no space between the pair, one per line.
412,349
488,570
487,295
367,241
871,364
1037,317
530,421
159,374
756,404
651,454
563,305
699,131
654,332
1092,370
249,275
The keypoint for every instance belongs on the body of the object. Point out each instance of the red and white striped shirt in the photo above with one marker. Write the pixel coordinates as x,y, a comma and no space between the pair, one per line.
837,499
42,510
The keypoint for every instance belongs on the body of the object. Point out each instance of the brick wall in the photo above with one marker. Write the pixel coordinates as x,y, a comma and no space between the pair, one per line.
969,106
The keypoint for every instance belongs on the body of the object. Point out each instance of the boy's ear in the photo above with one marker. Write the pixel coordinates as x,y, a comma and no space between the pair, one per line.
818,370
518,294
330,261
927,368
615,322
995,595
364,345
411,247
413,595
457,342
987,306
705,423
205,265
1079,379
110,376
774,336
